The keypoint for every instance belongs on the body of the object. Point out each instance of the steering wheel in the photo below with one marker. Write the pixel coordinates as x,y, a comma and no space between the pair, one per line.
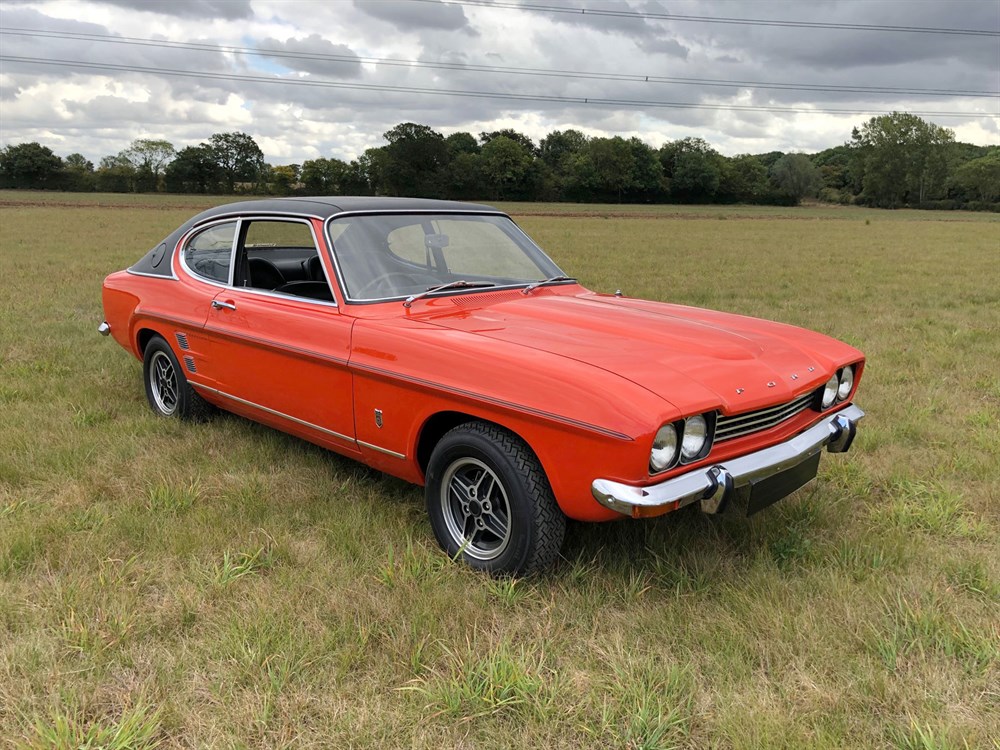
380,281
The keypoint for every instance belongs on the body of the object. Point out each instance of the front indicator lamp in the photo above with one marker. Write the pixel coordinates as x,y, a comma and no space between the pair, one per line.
830,391
664,450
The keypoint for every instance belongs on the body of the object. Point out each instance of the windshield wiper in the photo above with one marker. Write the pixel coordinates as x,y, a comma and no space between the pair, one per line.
543,282
460,284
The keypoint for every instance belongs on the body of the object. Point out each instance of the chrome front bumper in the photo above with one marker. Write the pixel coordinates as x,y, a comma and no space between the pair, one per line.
713,485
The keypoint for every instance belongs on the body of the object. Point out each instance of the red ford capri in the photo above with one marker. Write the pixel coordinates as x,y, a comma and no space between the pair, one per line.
436,342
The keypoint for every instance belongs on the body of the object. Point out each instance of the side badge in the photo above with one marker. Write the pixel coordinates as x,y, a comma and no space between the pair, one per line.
378,418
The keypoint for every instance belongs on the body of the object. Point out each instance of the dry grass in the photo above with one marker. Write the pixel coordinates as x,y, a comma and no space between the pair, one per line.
223,585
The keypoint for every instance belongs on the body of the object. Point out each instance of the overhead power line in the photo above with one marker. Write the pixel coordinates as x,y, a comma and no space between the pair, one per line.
572,100
564,9
495,69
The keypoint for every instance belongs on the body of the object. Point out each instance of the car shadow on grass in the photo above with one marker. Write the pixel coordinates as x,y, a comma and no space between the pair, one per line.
686,550
691,551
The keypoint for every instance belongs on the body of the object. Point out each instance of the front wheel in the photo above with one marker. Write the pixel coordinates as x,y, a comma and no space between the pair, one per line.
167,389
490,502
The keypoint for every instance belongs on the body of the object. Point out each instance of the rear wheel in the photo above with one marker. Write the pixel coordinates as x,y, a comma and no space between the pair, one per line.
167,389
490,502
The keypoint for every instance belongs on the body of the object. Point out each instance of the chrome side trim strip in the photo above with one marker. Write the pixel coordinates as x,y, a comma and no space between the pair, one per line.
171,277
290,418
388,452
834,431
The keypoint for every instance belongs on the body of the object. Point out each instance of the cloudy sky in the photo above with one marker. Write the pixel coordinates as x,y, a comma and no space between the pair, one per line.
307,78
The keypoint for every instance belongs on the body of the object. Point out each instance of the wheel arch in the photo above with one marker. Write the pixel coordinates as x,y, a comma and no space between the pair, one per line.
142,338
434,428
437,425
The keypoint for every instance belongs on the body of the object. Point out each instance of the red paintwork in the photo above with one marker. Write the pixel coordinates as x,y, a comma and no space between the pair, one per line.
584,379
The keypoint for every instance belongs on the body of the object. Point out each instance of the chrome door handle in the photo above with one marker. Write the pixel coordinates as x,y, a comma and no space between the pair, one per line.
223,305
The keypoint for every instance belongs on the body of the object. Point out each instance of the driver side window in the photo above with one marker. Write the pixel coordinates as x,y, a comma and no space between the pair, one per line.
280,256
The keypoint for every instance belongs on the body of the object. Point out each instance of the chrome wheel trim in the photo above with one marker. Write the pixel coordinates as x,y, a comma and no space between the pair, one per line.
475,509
163,383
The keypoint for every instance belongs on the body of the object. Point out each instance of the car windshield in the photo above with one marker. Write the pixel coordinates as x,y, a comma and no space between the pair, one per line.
386,256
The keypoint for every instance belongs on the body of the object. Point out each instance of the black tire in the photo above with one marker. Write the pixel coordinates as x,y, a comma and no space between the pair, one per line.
167,389
489,501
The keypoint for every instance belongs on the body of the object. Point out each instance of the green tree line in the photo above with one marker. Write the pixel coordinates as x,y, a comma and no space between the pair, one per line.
890,161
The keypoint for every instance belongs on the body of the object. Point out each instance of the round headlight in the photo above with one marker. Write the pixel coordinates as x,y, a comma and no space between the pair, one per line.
830,390
695,435
846,383
664,448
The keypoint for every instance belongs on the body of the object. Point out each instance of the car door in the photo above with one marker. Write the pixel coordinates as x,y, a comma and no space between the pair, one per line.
205,262
281,344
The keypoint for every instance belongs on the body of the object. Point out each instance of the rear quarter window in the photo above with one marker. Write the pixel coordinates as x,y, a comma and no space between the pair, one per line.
209,253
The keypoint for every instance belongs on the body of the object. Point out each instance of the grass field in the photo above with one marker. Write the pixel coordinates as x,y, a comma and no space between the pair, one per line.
223,585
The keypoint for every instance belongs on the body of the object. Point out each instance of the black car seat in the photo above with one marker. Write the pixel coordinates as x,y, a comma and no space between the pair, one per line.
314,269
264,274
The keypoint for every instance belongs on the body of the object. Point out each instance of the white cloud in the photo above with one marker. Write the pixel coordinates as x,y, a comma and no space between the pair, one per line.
100,112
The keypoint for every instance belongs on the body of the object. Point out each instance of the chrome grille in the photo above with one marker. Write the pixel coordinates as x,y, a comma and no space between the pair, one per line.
189,363
182,340
737,425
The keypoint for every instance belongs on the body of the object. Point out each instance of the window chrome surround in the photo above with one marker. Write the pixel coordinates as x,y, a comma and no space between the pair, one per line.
265,214
283,296
248,218
424,212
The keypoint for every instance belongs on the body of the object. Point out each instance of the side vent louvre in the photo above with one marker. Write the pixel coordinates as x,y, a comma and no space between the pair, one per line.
182,340
189,363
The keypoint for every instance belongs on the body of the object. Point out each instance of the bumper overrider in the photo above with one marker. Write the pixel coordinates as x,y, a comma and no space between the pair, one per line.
717,485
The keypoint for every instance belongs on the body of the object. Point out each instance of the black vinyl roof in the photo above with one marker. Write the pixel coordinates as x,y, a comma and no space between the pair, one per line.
327,206
157,261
